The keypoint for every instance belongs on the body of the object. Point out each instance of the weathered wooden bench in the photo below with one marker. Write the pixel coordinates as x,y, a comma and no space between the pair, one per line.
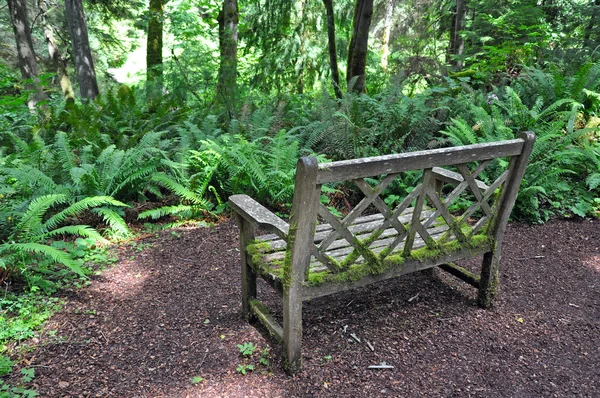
318,253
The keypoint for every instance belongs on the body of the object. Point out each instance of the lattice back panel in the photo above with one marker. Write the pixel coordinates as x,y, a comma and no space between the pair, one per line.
434,216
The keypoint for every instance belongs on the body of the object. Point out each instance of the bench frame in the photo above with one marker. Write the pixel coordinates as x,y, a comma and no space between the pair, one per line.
305,208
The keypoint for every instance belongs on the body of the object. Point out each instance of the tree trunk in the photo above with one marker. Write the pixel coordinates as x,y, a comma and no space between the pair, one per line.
357,51
154,48
457,43
59,62
335,74
228,41
387,28
587,35
25,53
82,53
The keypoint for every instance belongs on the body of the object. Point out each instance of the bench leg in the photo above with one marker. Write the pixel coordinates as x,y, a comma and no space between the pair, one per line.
292,330
488,283
248,275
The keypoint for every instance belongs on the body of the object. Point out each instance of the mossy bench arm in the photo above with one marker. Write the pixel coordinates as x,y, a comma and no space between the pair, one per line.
255,213
307,259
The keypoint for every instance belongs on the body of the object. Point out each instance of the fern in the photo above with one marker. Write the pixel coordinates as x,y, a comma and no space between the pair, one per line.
113,220
184,211
31,223
56,255
80,206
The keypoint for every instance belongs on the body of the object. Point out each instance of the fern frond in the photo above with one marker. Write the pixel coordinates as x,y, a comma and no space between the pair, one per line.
155,214
56,255
64,153
32,219
593,180
75,230
178,189
78,207
114,220
460,133
30,177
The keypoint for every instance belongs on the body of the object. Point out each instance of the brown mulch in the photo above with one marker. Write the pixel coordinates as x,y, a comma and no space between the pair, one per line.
162,316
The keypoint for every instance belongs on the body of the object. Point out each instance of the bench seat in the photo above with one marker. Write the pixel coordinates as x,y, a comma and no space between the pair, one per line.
268,255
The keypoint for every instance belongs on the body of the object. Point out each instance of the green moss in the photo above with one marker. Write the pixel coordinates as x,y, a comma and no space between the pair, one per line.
258,247
425,253
393,261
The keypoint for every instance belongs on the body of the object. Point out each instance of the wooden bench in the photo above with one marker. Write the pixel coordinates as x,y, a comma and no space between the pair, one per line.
319,253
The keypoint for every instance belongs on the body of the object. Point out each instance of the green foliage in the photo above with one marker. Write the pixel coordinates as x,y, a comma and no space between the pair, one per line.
26,242
6,365
27,375
21,315
196,380
247,349
562,174
243,369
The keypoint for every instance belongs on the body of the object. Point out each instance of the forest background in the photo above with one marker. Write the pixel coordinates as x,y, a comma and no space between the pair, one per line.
114,114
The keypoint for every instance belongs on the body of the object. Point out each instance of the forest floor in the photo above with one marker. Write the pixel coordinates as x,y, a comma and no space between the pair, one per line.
169,313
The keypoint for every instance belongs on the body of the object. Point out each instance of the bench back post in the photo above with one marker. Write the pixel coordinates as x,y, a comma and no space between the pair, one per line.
300,240
491,260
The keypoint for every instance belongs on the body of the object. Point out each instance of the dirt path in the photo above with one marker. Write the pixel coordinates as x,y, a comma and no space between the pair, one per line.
171,312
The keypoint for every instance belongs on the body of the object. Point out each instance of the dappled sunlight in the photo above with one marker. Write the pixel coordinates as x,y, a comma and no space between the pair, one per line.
236,385
593,262
127,281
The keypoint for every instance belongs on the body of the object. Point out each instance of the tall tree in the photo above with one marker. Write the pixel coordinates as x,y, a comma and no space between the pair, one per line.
589,28
456,45
387,28
82,53
228,42
154,48
357,51
25,53
335,74
59,62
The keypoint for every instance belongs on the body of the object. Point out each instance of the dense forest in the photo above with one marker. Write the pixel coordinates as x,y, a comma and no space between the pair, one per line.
118,117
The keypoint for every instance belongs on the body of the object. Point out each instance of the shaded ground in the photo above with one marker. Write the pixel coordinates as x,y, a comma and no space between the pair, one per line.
171,312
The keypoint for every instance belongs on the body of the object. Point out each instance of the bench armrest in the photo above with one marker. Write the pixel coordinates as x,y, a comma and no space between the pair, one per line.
258,215
451,177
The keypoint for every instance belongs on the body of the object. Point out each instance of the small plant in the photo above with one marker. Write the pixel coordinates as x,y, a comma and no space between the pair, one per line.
245,368
264,357
196,380
7,391
247,349
5,365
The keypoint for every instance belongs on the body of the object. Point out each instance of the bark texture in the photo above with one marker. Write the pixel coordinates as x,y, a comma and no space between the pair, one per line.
387,28
335,74
457,43
357,51
82,53
228,42
58,61
595,14
154,46
25,53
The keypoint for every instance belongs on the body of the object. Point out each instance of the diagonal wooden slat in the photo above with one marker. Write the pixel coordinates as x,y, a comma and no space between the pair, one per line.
344,232
459,189
416,219
395,217
445,213
370,195
381,206
323,259
485,197
470,179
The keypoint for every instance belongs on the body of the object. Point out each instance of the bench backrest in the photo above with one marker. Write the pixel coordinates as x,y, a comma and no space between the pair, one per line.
470,161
